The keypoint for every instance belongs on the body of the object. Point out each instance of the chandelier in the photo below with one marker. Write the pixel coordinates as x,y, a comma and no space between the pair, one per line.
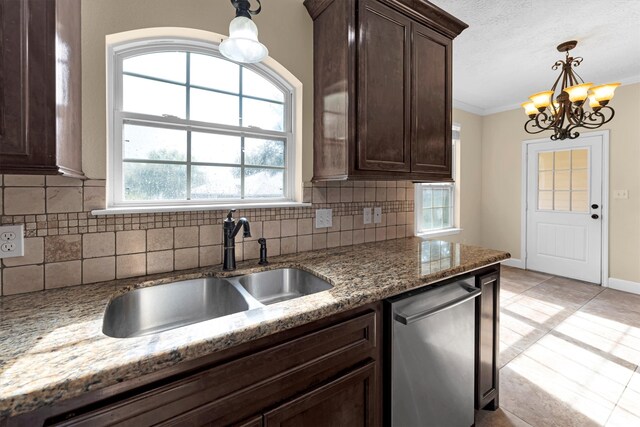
568,111
242,45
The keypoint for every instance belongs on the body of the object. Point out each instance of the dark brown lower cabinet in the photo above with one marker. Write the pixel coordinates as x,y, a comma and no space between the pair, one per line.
488,339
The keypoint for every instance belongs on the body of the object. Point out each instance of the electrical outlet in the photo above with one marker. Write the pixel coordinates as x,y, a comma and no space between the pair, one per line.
366,216
620,194
324,218
11,241
377,215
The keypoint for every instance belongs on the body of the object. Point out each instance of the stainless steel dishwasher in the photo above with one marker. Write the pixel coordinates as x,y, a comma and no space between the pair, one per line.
432,356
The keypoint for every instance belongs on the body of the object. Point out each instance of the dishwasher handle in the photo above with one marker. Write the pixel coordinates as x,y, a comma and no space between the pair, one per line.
411,318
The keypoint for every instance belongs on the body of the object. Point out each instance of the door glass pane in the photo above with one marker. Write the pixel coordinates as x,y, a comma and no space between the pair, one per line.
261,152
562,180
545,180
579,201
254,84
262,114
152,97
561,200
545,161
545,200
562,160
214,107
144,142
579,180
213,148
580,158
162,65
215,182
214,73
148,181
263,182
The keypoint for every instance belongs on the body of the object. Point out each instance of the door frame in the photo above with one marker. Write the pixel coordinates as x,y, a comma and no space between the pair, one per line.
604,250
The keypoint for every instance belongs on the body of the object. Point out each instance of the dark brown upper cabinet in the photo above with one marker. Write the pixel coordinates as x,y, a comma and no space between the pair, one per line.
382,82
40,87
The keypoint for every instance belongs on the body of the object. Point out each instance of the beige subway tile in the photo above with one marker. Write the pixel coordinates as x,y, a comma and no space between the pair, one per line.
333,240
346,183
98,269
333,184
210,255
96,245
64,199
358,194
391,218
239,252
410,193
346,238
95,183
391,194
307,194
358,222
370,194
24,201
401,218
271,229
346,195
186,237
19,280
381,194
159,262
1,205
410,218
401,193
131,242
333,195
381,184
62,248
61,274
381,234
159,239
305,243
94,198
400,231
33,253
383,221
358,183
319,195
392,184
319,241
289,227
391,232
288,245
131,265
273,247
371,184
252,249
370,235
24,181
358,237
186,258
346,222
256,232
212,234
63,181
335,225
305,226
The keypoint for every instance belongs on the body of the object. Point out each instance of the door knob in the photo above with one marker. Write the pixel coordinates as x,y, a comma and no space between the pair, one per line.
594,206
595,216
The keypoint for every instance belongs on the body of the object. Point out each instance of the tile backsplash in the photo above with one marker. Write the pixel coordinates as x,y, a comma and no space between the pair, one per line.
65,245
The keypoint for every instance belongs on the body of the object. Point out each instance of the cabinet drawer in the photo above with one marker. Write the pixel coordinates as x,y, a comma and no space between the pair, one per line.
232,391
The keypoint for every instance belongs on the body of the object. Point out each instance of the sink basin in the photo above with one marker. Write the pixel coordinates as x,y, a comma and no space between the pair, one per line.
159,308
270,287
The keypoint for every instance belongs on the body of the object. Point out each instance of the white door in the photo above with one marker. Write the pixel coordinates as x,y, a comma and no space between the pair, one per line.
564,208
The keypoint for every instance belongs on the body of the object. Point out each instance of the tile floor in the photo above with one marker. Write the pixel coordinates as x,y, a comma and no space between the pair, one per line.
569,354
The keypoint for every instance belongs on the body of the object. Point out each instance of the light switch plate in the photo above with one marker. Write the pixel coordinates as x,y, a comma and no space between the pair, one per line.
366,216
377,215
11,241
324,218
620,194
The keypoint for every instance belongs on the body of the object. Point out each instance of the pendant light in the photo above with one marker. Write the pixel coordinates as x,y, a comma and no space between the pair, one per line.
242,44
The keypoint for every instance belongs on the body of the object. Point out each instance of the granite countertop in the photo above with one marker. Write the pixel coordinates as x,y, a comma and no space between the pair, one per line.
52,346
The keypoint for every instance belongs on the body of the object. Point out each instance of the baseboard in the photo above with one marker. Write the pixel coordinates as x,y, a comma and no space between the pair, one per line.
624,285
514,262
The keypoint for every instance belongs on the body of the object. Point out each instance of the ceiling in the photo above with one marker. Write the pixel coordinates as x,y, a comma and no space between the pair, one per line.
507,52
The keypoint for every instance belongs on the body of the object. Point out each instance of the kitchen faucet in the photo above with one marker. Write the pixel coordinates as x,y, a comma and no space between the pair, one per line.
230,229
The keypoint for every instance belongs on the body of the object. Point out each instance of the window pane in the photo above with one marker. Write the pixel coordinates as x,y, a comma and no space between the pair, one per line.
545,180
214,73
161,65
215,182
148,181
562,160
263,182
214,107
262,114
261,152
446,217
580,180
437,198
144,142
437,218
561,200
545,161
213,148
446,202
254,84
427,196
579,201
580,158
545,200
152,97
427,219
562,181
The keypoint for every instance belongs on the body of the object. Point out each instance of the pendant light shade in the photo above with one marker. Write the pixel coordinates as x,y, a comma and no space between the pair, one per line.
242,44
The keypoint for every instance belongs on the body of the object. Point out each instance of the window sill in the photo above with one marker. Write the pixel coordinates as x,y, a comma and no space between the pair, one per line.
438,233
192,208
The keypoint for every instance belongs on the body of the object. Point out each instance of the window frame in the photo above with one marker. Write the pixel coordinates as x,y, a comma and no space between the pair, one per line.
117,118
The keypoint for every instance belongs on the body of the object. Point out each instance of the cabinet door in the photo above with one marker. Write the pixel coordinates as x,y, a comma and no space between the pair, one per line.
383,142
346,401
431,103
487,340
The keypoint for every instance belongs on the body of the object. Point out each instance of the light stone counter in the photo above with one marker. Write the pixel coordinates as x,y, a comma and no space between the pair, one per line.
52,346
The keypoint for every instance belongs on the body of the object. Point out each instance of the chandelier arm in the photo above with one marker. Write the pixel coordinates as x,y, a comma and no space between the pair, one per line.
555,84
577,116
530,126
595,119
544,118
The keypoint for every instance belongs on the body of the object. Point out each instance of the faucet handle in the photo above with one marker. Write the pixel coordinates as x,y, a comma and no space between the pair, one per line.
230,214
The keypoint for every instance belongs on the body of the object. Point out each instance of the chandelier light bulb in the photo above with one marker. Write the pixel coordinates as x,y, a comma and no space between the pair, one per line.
529,108
542,99
604,93
593,103
578,93
242,44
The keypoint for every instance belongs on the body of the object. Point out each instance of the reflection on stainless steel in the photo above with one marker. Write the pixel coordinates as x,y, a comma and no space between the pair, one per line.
438,255
270,287
159,308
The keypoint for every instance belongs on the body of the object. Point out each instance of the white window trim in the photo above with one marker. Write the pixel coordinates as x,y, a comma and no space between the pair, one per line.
125,44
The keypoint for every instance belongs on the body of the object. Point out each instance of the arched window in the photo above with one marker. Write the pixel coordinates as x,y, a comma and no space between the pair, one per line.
188,126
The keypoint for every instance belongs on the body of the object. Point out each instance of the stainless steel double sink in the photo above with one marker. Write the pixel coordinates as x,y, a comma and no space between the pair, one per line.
159,308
